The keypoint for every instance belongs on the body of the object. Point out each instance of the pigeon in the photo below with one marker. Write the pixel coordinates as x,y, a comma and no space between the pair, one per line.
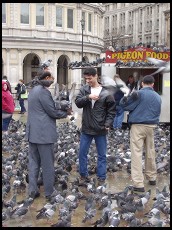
135,222
122,84
63,222
46,213
114,85
163,66
89,202
6,214
12,202
143,200
102,221
46,64
155,220
104,201
21,210
114,219
89,214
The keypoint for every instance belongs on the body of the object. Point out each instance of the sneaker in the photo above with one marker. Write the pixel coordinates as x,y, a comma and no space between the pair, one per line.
83,180
100,181
152,182
138,189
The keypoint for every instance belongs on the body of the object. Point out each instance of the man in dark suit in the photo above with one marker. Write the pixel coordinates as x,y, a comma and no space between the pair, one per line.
41,134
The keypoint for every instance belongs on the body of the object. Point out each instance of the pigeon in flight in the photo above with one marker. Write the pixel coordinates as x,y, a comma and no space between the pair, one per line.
114,85
163,66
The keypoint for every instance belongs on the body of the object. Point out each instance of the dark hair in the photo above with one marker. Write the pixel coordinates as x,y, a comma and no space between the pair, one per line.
44,75
21,80
4,77
130,76
90,71
148,79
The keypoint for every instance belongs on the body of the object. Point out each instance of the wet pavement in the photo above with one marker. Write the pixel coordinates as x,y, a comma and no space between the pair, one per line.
116,182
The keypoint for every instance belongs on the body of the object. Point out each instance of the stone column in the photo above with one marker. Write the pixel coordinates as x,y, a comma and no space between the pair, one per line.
8,63
55,65
20,64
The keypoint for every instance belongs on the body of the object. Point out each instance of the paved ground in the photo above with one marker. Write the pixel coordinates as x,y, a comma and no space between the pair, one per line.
115,183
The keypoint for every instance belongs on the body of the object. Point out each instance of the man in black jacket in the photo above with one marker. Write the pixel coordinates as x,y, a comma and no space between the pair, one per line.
97,117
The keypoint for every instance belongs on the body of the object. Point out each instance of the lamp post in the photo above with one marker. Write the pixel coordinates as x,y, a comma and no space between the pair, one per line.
82,25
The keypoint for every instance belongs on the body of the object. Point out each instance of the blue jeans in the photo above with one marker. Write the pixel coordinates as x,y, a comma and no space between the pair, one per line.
5,123
117,123
21,102
101,146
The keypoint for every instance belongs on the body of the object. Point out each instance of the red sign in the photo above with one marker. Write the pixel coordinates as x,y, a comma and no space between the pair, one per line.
138,54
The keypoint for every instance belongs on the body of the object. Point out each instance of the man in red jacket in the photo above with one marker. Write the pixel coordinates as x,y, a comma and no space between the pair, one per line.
8,106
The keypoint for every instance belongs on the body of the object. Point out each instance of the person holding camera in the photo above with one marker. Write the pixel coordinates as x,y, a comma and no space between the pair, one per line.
41,133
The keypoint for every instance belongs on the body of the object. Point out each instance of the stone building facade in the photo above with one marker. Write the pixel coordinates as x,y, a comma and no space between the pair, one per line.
135,23
35,32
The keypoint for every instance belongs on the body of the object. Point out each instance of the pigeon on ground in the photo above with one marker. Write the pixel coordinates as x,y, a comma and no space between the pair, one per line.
12,202
63,222
102,221
114,219
6,214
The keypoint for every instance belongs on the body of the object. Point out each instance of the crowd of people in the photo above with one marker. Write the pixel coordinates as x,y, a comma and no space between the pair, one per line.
101,112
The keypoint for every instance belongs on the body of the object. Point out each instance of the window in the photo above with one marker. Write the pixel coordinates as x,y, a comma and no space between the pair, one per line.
83,17
24,16
114,6
59,16
39,14
140,27
150,29
157,10
89,22
70,18
3,13
157,24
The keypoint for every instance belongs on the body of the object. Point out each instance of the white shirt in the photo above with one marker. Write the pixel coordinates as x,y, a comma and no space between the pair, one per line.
96,91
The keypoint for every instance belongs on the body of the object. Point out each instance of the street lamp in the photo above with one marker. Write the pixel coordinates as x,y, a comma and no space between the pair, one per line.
82,25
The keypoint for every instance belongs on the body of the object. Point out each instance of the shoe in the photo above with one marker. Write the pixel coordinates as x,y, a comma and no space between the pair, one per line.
84,179
138,189
152,182
49,197
100,181
34,195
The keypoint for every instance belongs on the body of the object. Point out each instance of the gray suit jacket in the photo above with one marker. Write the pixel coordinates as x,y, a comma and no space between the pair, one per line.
42,115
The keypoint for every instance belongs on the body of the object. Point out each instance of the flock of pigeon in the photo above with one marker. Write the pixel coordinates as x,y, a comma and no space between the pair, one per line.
90,204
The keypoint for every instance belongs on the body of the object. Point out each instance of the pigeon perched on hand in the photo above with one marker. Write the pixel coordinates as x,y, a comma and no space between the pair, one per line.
163,66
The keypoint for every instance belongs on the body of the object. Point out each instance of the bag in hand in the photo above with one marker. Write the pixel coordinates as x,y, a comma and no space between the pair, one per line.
24,95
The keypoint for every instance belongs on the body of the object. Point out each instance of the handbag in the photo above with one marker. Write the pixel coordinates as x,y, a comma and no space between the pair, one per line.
24,95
